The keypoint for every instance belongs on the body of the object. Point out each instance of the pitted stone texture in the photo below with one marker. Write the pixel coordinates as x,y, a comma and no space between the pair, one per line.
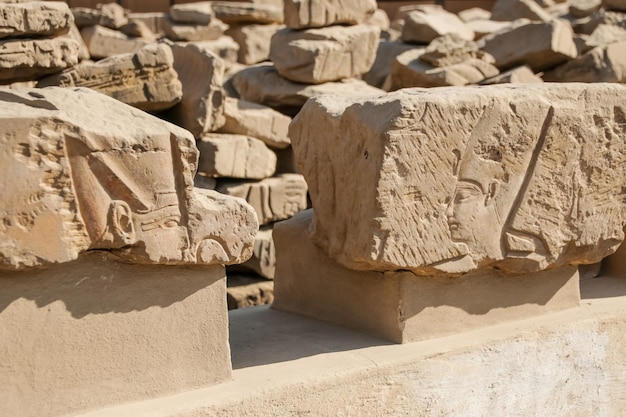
235,156
508,10
110,15
233,12
300,14
521,178
254,41
603,64
274,199
429,22
35,19
198,13
261,122
145,79
103,43
89,172
315,56
29,59
541,46
519,75
202,106
194,32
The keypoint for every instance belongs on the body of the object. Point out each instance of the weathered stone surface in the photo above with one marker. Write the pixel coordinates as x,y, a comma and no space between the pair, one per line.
584,8
380,20
474,13
102,42
385,55
274,199
153,20
508,10
194,32
248,291
301,14
202,106
35,19
235,156
198,13
89,172
539,45
262,84
483,28
145,79
261,122
74,34
232,12
110,15
521,178
315,56
429,22
603,64
263,260
451,49
519,75
29,59
617,5
137,29
224,47
254,41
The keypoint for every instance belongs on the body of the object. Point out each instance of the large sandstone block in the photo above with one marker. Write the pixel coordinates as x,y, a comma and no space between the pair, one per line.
315,56
509,10
29,59
83,171
238,13
429,22
519,178
103,42
261,122
145,79
194,32
35,19
198,13
301,14
109,15
274,199
603,64
254,41
235,156
541,46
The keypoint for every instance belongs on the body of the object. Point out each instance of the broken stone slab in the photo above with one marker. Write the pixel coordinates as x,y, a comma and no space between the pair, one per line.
224,47
106,176
509,10
274,199
263,85
30,59
315,56
254,41
263,260
429,22
584,8
202,106
35,19
602,64
240,13
261,122
483,28
385,55
248,291
301,14
194,32
198,13
516,177
235,156
541,46
109,15
103,43
145,79
519,75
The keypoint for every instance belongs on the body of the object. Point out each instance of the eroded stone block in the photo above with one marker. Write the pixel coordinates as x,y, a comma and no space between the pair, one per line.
103,42
509,10
386,53
194,32
224,47
237,13
429,22
109,15
198,13
254,41
263,260
301,14
601,64
35,19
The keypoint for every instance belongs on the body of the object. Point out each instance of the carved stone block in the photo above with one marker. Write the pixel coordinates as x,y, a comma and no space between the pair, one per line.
254,41
35,19
315,56
103,42
518,178
301,14
429,22
263,260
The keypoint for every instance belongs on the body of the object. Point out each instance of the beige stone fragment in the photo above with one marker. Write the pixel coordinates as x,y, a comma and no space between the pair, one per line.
235,156
74,34
584,8
274,199
238,13
248,291
263,260
261,84
509,10
539,45
137,29
519,75
483,28
603,64
385,55
198,13
451,49
194,32
89,172
605,34
109,15
224,47
315,56
429,22
474,13
145,79
102,42
300,14
516,177
29,59
153,20
380,20
261,122
254,41
35,19
202,106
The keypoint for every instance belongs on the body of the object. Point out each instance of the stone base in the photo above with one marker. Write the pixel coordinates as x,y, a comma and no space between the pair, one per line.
401,306
96,332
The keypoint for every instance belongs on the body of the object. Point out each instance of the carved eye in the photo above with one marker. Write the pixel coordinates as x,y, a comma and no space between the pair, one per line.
170,223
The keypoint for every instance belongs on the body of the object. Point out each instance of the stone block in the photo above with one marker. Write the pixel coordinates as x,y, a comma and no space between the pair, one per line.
541,46
315,56
403,307
109,15
194,32
483,28
198,13
519,75
248,291
103,43
429,22
263,259
145,79
261,122
74,34
235,156
380,20
509,10
29,59
521,178
584,8
224,47
274,199
603,64
300,14
35,19
254,41
385,55
138,29
153,20
239,13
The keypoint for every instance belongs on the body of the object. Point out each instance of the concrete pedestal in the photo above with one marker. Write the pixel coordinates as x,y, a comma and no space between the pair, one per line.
96,332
